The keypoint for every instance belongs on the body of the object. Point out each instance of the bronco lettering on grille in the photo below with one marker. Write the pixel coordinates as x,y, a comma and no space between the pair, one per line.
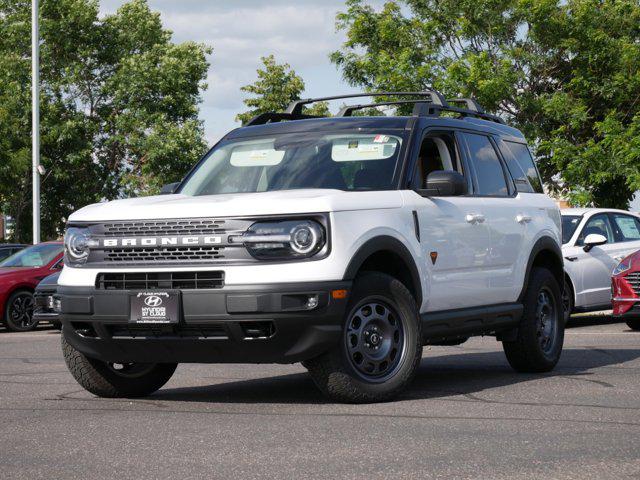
194,240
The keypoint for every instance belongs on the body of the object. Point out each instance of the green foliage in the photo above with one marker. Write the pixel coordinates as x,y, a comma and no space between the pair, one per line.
277,86
565,72
119,107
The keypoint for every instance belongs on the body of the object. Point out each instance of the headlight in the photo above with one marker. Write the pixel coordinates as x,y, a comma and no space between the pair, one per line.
623,266
77,242
283,239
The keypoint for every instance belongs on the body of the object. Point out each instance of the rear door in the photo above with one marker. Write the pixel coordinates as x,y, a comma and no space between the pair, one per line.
507,220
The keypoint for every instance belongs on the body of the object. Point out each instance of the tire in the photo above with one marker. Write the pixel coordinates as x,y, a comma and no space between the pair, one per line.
381,317
538,345
105,380
18,312
634,323
567,301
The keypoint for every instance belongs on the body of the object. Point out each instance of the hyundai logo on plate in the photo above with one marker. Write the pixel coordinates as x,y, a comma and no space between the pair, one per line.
153,301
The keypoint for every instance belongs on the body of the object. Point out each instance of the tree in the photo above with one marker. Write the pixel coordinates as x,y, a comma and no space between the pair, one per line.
565,72
119,107
276,87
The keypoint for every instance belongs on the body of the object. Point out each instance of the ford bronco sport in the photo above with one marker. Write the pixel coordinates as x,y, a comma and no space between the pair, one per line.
345,243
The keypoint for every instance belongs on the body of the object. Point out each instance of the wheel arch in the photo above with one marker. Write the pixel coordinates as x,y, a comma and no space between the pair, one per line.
388,255
545,253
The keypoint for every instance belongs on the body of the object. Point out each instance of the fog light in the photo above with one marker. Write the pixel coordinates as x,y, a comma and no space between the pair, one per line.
312,302
57,305
50,302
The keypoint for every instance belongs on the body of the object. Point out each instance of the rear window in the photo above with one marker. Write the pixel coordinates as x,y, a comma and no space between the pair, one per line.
522,167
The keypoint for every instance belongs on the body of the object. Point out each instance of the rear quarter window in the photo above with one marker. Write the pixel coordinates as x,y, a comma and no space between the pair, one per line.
522,167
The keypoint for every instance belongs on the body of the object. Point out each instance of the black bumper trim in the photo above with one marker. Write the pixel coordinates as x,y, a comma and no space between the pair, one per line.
299,333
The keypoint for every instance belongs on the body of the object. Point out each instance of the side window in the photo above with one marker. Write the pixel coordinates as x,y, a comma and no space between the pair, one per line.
486,165
600,225
522,168
627,228
438,151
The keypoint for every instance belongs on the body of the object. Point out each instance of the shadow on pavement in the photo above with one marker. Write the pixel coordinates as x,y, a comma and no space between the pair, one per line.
438,377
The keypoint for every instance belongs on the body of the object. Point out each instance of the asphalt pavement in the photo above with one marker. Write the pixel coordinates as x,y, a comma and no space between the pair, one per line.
468,415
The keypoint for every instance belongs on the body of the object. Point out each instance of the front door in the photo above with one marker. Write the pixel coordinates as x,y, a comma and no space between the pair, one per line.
453,235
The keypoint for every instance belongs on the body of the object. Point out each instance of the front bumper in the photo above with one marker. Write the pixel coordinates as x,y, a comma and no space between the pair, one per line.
239,324
43,311
626,307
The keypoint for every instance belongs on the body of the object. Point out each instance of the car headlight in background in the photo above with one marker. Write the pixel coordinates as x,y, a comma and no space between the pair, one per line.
285,239
623,266
77,242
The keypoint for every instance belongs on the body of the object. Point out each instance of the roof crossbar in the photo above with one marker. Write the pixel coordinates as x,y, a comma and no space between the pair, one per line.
469,103
295,107
348,110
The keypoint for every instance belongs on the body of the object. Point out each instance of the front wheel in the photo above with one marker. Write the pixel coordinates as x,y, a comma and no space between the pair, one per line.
381,344
18,314
114,380
538,345
634,323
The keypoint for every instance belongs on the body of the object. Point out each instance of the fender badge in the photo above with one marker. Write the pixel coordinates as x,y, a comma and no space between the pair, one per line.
434,257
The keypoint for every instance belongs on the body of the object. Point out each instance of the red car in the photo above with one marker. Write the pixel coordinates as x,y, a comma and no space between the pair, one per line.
19,275
625,287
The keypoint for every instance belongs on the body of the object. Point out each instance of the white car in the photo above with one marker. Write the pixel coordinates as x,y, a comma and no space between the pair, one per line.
344,243
594,241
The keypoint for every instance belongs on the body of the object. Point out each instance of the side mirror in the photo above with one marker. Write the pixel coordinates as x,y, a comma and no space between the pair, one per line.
169,188
593,240
444,183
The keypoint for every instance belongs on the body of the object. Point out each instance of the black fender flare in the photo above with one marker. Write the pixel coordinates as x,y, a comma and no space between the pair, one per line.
545,243
385,243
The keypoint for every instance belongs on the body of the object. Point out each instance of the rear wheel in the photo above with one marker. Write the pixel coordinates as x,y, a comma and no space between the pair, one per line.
381,344
538,345
634,323
18,314
112,380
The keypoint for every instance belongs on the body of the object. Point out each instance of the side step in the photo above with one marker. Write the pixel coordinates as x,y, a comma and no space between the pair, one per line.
465,322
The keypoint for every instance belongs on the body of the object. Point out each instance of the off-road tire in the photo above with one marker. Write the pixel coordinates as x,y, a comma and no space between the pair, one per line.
633,323
526,354
100,379
333,372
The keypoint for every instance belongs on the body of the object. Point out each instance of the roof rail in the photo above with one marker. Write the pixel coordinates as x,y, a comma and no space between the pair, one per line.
271,117
295,107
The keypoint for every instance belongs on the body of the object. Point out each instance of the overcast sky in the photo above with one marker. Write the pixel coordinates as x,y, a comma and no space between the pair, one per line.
301,33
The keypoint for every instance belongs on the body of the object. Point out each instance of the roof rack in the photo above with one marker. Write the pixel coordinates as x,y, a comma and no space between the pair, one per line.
430,103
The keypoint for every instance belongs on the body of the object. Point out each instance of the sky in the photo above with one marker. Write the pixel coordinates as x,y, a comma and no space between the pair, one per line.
299,32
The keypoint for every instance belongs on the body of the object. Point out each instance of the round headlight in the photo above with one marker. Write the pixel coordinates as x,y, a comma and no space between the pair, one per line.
76,245
305,238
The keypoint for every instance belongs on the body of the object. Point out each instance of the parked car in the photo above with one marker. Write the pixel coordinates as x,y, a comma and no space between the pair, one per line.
8,249
344,243
19,275
594,241
625,289
45,310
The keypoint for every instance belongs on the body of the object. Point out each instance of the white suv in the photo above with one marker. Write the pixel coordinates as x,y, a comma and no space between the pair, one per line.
344,243
594,241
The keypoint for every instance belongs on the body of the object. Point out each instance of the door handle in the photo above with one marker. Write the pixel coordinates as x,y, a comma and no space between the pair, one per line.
523,219
474,218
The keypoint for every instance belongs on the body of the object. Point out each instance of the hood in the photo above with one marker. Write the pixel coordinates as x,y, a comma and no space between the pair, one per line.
239,204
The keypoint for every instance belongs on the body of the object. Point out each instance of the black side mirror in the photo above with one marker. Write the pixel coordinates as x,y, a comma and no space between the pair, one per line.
444,183
169,188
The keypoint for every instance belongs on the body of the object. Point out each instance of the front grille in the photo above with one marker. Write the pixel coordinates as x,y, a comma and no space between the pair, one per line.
163,254
214,330
634,281
201,226
169,280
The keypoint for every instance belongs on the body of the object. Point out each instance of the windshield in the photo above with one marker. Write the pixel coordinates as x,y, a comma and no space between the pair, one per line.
342,161
569,225
34,256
